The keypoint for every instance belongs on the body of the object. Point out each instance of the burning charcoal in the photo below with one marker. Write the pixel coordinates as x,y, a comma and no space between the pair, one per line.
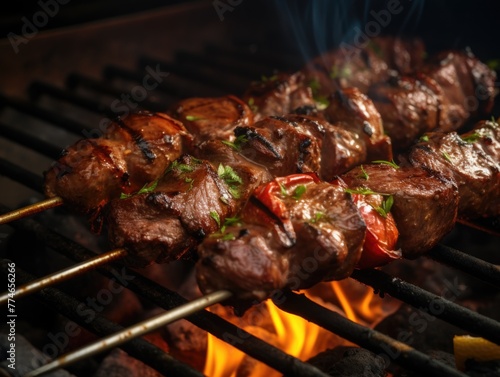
349,361
119,364
27,358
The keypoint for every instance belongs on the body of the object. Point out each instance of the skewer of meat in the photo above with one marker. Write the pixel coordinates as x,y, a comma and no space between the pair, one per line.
442,93
298,230
133,152
199,192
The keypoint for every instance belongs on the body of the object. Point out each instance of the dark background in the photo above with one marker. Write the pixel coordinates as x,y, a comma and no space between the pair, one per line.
306,26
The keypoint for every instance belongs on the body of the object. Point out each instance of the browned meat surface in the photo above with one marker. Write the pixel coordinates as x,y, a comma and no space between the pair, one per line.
278,95
188,203
409,106
212,118
450,89
467,84
405,55
301,143
344,68
265,252
354,111
132,152
425,204
471,161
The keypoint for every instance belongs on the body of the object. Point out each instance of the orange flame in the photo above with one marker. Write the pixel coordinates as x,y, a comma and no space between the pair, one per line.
295,335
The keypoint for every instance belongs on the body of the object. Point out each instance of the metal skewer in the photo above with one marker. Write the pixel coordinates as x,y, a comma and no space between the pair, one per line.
31,209
65,274
132,332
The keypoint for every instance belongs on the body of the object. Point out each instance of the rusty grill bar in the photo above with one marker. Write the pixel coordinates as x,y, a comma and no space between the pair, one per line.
187,67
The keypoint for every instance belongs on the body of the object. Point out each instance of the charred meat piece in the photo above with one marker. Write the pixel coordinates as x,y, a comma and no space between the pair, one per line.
355,112
131,153
212,118
344,68
424,205
409,106
294,232
278,95
189,202
301,143
449,90
404,55
470,160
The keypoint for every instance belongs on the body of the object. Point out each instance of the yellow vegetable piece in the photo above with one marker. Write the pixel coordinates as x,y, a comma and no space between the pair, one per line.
467,347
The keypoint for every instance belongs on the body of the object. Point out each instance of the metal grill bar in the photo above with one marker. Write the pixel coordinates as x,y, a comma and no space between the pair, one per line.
370,339
45,115
439,306
476,267
167,299
30,141
20,174
138,348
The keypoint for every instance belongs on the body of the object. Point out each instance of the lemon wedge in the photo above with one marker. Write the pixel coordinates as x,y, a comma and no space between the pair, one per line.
468,347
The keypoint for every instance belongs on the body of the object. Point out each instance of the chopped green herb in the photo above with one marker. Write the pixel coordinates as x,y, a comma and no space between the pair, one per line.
494,121
214,215
447,157
364,174
147,188
270,78
321,102
223,199
317,217
228,237
385,207
283,190
384,162
361,191
314,85
237,143
231,179
471,138
424,138
299,191
193,118
342,73
252,105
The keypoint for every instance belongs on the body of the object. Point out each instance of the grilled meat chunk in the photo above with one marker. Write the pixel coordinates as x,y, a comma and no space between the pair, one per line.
300,143
354,111
294,232
189,202
212,118
404,55
471,161
424,204
278,95
448,90
132,152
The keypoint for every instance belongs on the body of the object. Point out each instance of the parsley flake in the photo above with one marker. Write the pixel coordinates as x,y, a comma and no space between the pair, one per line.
299,191
471,138
237,143
364,174
447,157
147,188
214,215
384,162
317,217
232,179
385,207
424,138
283,190
193,118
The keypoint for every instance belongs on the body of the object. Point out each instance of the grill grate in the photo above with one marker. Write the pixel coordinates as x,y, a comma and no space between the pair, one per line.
206,71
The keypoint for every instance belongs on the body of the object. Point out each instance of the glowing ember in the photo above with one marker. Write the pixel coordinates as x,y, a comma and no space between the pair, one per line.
292,334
